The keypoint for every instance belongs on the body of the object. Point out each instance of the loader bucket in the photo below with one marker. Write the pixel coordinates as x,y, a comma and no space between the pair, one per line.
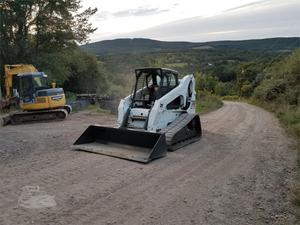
133,145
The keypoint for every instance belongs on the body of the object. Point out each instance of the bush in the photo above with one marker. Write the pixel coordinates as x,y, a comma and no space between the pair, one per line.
207,102
291,119
270,89
293,95
206,82
220,89
246,90
225,88
231,97
70,96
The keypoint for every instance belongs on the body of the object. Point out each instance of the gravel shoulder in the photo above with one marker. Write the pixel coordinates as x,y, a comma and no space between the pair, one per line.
240,172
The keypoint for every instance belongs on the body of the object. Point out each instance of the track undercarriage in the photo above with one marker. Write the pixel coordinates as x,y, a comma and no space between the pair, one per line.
40,115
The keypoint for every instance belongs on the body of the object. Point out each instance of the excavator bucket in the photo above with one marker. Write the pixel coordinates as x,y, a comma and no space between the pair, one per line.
133,145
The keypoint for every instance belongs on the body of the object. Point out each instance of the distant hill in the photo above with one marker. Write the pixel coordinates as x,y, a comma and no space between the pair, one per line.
148,45
136,45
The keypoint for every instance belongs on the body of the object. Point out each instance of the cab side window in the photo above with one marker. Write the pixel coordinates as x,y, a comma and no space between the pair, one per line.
172,80
164,82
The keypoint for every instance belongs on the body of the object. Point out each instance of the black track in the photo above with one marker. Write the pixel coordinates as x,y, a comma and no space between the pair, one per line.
184,130
23,117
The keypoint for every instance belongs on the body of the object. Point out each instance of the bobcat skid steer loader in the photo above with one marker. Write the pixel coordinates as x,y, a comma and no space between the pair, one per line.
158,116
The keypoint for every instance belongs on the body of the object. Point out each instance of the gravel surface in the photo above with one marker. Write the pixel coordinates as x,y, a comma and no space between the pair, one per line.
239,173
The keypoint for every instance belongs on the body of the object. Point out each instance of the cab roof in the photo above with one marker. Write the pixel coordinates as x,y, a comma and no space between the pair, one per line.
156,68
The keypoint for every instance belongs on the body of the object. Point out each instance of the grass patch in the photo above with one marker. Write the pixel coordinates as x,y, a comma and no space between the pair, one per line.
207,102
231,98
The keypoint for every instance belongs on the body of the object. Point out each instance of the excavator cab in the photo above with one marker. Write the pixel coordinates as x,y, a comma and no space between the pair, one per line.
35,94
29,84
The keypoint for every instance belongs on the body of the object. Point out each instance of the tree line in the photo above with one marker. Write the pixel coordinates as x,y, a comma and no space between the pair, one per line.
47,34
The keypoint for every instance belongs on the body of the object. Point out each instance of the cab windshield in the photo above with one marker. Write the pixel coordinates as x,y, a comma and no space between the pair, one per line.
29,84
40,82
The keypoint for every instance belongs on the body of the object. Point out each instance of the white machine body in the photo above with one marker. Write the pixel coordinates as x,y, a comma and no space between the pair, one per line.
163,111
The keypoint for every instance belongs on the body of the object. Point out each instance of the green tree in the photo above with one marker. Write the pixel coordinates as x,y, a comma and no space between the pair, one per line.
246,74
282,81
246,90
209,83
42,26
225,88
46,33
87,75
205,82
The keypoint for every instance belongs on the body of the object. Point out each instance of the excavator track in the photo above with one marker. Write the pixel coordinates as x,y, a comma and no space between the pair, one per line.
184,130
23,117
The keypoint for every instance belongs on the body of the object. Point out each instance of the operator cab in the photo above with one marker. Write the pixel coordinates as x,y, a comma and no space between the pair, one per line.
33,85
151,84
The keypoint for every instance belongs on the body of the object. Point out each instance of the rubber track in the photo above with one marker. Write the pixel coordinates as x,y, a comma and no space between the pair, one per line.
40,116
171,130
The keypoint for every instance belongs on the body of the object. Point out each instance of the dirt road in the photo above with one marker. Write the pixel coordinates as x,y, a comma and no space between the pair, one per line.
238,174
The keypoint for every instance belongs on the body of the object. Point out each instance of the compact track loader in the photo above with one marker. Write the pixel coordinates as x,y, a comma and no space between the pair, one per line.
158,116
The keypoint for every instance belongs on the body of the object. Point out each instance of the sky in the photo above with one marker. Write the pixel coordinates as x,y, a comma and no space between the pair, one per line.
194,20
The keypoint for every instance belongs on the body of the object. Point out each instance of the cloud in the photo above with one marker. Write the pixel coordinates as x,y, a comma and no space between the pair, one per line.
102,15
262,19
140,11
249,5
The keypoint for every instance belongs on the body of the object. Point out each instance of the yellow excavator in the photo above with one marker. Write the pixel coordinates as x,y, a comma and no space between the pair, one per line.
27,87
